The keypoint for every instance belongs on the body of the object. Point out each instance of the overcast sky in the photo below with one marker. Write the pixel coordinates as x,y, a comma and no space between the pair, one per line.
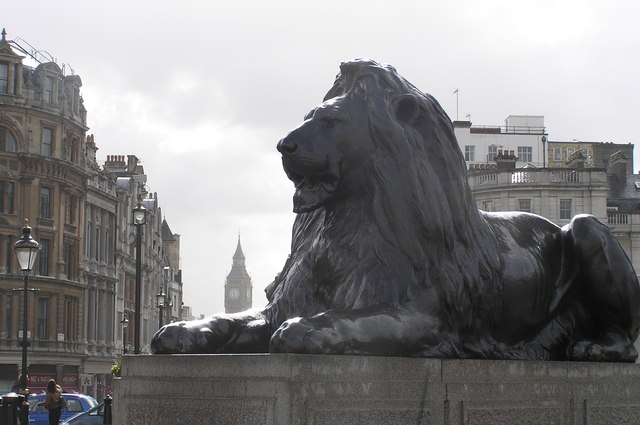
201,92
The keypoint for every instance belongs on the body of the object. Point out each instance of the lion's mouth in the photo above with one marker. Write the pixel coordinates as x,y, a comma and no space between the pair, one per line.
328,183
311,190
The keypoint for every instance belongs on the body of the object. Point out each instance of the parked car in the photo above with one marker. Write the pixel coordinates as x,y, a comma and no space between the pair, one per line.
93,416
76,403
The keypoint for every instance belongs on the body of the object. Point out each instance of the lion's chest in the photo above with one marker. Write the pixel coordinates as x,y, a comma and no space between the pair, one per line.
338,270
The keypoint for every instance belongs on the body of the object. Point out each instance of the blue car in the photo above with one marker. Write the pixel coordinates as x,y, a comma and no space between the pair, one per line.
93,416
76,403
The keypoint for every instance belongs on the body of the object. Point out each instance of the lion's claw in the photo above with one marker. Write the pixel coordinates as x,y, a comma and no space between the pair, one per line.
298,336
599,351
174,338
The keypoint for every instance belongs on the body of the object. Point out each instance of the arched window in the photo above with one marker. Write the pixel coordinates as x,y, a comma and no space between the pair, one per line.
7,141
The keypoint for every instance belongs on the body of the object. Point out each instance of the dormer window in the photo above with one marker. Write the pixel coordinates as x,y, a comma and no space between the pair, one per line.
49,84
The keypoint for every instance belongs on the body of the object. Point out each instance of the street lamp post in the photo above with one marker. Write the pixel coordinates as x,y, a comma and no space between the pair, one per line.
26,249
139,220
161,301
125,324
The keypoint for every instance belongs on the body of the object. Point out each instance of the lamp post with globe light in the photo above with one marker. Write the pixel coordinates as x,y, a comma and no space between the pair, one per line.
125,324
26,249
161,303
139,220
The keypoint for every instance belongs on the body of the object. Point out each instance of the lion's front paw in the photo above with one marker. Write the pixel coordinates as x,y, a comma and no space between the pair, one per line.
299,336
182,338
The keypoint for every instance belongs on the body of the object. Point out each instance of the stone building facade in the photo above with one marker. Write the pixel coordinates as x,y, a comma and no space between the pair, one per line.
160,255
80,213
43,176
590,154
172,274
611,194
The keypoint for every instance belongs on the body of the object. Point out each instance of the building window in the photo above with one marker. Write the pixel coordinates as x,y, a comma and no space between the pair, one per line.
72,209
87,241
7,190
469,153
70,261
8,255
570,152
98,252
8,313
524,205
45,202
557,154
42,310
525,153
109,254
565,209
68,320
4,77
47,141
487,206
7,141
493,152
43,258
73,150
49,84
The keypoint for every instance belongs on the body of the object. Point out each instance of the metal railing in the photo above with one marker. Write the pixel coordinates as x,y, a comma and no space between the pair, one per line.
511,129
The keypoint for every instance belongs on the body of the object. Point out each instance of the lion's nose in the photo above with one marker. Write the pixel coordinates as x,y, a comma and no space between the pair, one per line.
287,146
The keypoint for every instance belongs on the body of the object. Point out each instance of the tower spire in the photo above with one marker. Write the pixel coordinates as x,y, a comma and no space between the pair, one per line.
239,255
238,288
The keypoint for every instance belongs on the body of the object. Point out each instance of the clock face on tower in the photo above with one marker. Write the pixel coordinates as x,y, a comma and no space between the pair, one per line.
234,293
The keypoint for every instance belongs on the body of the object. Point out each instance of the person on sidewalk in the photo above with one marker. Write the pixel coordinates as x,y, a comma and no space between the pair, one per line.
54,402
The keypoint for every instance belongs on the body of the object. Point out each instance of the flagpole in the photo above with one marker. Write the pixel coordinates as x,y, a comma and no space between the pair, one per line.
457,110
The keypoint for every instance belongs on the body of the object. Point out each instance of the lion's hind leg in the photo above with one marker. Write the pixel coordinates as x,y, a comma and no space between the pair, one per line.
608,291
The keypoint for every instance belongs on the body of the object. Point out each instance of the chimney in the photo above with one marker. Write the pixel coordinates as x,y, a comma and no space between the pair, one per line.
114,163
576,160
505,160
618,164
132,163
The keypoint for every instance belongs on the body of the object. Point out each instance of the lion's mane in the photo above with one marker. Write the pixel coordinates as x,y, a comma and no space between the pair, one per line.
420,204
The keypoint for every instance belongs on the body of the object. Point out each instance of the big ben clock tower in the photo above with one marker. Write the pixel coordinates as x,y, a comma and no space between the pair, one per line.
237,289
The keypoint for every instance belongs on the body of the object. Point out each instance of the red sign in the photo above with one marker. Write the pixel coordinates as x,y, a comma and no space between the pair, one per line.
38,381
69,381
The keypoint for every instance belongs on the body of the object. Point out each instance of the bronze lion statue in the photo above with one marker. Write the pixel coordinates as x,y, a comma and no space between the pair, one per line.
390,255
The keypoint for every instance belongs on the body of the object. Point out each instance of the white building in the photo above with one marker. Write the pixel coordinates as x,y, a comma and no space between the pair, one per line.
525,135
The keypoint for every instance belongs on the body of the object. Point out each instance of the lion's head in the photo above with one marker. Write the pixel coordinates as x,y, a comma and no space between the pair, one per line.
325,149
378,140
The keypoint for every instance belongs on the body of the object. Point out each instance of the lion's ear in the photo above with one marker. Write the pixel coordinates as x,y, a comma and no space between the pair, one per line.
406,108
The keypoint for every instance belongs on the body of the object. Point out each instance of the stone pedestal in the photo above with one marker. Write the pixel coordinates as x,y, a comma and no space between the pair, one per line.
286,389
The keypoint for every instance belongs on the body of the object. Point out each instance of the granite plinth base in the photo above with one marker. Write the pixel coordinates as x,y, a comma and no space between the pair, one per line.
286,389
